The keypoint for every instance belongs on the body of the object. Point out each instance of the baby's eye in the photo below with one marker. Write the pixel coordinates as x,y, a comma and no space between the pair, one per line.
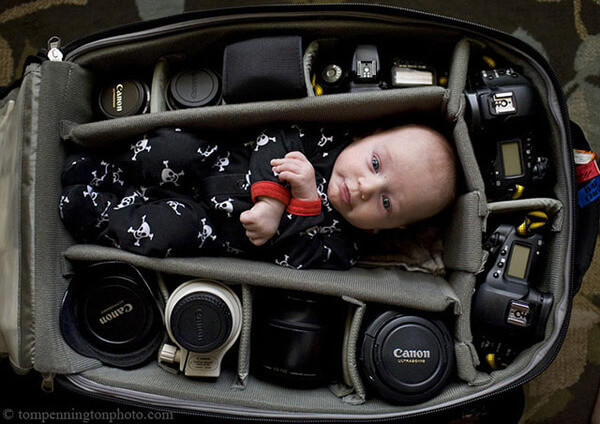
386,202
375,163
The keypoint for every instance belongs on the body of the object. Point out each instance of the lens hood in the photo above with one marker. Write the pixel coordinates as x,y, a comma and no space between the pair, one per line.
110,312
203,316
296,343
407,359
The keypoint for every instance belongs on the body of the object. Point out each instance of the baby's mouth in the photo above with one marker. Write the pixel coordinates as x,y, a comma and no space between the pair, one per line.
345,194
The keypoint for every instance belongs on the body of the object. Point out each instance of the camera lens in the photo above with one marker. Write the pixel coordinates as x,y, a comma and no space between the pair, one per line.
111,313
124,98
202,316
193,88
201,322
407,359
115,314
295,339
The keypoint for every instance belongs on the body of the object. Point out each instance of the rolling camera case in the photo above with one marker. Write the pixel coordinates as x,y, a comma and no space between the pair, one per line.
492,93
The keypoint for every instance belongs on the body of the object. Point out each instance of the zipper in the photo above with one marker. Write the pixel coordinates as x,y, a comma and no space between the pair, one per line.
197,19
48,382
78,385
54,53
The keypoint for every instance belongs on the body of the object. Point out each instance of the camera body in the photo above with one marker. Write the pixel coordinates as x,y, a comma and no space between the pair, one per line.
366,68
204,319
369,71
505,305
502,108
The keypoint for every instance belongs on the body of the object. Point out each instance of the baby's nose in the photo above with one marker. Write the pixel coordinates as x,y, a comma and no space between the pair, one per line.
367,188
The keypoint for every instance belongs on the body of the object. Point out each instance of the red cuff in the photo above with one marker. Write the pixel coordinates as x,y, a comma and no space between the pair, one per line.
270,189
304,207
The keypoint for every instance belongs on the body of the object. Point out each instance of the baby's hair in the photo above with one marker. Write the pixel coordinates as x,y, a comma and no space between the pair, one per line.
448,165
443,160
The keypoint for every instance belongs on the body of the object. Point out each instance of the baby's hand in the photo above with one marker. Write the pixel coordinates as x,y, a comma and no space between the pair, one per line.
262,220
299,172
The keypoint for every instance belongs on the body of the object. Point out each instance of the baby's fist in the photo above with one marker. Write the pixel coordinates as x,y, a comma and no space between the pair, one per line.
297,170
262,220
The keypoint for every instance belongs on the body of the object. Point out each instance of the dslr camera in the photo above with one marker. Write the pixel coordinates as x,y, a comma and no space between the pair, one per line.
505,306
368,71
502,111
362,73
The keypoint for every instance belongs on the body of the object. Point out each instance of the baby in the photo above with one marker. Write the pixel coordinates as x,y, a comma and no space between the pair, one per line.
294,196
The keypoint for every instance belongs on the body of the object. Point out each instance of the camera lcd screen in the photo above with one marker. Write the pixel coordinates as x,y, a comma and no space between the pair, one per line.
518,261
511,158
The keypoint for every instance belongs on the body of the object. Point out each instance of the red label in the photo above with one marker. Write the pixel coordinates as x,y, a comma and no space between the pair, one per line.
586,172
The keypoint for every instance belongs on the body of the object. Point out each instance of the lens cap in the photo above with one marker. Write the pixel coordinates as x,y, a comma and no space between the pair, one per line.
407,359
201,322
112,314
193,88
124,98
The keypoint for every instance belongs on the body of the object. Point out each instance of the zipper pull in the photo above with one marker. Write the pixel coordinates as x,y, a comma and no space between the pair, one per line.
47,382
54,53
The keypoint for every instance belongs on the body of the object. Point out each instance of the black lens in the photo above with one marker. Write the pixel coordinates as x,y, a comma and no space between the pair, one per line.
407,359
115,314
193,88
297,339
124,98
111,312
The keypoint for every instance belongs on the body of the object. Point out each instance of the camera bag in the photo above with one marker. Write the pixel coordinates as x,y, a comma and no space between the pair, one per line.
54,107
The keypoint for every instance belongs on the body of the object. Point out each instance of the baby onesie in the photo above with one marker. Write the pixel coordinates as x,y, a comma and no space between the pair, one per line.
174,193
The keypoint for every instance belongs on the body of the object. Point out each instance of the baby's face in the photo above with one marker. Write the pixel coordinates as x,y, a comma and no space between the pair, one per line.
386,180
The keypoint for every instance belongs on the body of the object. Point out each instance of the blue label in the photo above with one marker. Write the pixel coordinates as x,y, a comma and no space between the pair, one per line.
589,193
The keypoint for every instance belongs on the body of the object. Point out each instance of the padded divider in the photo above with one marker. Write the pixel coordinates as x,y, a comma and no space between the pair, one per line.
389,286
468,162
158,102
334,108
308,59
463,284
457,80
463,235
552,207
65,92
353,390
244,345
